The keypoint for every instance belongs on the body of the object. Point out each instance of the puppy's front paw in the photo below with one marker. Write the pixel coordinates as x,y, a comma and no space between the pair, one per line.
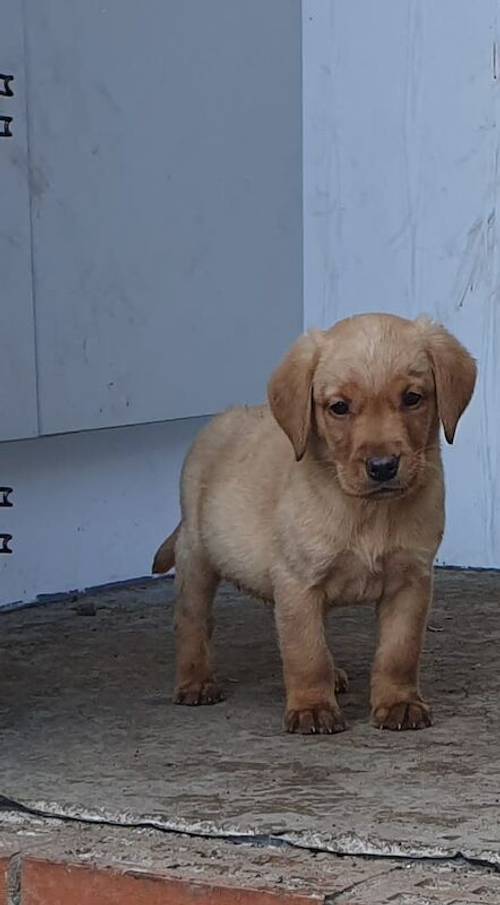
195,693
402,715
322,719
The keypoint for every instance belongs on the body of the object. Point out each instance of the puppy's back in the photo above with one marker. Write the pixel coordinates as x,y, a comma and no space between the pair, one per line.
230,483
227,441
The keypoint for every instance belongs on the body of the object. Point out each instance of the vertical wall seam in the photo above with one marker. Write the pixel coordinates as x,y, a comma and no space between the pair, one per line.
495,297
301,13
30,205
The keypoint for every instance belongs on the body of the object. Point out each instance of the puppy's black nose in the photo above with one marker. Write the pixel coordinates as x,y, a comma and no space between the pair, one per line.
383,469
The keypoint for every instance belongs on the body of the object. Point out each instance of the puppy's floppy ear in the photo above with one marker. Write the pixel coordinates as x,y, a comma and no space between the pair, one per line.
290,391
454,375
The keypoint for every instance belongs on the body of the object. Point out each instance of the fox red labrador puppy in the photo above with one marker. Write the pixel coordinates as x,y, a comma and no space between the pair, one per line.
330,494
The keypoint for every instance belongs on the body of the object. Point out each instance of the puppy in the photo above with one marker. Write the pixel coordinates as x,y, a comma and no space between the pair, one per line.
330,494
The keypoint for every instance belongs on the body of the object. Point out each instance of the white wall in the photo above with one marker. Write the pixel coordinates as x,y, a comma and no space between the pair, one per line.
158,201
89,508
400,214
401,145
166,210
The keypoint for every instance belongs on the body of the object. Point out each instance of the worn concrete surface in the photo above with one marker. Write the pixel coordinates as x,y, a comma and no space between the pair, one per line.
87,728
344,880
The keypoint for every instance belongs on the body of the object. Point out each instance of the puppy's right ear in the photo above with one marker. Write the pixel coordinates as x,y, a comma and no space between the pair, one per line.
290,391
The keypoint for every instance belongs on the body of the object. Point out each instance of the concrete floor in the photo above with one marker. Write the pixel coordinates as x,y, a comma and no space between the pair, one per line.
284,869
88,732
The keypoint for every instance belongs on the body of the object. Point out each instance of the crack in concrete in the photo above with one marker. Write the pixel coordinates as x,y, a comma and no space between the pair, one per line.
336,896
259,840
14,879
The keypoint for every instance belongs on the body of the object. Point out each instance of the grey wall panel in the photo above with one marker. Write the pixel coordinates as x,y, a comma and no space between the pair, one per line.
93,510
18,409
402,201
166,138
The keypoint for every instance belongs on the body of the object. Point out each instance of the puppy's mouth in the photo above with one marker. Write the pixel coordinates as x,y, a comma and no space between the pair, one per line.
385,491
392,489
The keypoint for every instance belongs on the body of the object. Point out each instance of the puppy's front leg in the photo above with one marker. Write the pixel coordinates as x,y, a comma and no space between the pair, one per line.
395,694
310,676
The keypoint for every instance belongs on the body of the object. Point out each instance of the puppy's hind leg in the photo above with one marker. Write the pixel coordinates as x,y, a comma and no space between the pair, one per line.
196,586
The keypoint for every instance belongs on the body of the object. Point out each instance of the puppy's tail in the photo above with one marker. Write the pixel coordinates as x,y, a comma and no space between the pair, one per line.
165,555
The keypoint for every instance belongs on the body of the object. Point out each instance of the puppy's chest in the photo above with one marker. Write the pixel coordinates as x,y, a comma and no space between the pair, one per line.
358,572
351,580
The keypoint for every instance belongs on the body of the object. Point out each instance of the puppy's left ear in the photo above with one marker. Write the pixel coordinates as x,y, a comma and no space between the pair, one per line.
454,375
290,391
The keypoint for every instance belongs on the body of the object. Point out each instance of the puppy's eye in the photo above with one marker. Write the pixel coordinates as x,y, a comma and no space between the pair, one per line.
339,408
411,400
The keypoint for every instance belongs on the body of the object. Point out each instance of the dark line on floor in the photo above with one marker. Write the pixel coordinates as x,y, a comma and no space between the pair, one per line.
258,840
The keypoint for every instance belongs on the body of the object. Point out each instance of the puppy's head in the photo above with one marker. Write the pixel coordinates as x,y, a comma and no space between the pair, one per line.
367,397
